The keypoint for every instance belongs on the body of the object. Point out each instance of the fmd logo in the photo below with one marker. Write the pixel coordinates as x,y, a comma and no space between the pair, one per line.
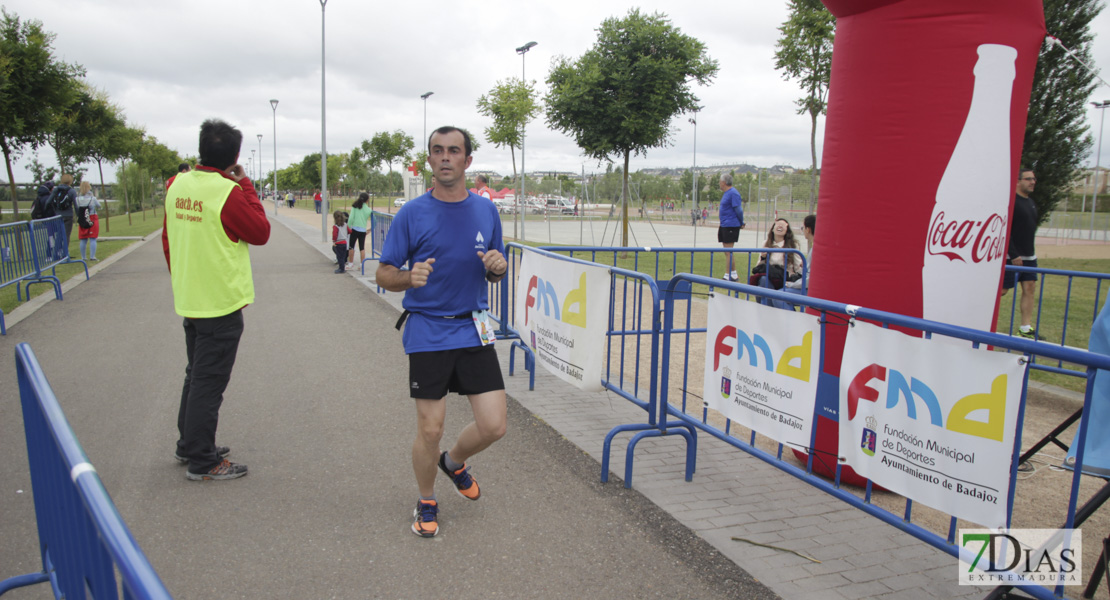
912,390
542,296
794,361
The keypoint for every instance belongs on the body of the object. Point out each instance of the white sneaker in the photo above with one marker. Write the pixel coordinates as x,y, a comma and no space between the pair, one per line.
350,265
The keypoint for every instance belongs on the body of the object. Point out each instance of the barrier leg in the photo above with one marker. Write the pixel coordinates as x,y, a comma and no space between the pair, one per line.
606,446
46,279
628,456
647,430
22,580
1101,568
529,362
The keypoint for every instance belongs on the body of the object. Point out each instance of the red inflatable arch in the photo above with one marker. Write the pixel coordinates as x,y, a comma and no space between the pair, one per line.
926,115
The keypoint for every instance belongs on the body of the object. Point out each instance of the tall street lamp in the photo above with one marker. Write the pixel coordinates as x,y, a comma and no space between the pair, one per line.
424,97
1098,157
694,178
259,156
254,177
522,51
274,103
323,137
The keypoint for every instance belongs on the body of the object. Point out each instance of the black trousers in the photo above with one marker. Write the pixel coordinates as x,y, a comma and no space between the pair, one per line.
211,345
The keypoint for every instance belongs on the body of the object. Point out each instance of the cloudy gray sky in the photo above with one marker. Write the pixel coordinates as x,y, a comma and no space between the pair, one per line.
170,64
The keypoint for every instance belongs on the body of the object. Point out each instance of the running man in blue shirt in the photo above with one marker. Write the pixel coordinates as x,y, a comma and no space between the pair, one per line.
451,238
732,221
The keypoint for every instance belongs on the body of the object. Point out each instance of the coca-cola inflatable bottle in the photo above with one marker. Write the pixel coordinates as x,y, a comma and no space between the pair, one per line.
966,244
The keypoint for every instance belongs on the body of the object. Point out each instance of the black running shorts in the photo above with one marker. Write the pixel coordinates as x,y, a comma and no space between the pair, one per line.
1010,277
728,235
465,371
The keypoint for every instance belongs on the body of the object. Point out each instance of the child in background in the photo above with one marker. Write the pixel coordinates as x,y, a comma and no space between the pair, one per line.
339,235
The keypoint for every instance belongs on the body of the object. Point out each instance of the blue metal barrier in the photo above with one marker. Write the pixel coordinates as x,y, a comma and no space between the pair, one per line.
1072,327
82,538
679,290
664,263
27,250
634,313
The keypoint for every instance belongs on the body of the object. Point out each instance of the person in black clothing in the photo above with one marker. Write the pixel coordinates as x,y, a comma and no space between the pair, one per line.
63,206
1021,253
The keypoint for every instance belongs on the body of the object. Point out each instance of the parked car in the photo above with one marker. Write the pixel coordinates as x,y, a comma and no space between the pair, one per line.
399,202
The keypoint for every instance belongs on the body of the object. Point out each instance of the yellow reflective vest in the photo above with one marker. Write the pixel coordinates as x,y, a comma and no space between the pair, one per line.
210,274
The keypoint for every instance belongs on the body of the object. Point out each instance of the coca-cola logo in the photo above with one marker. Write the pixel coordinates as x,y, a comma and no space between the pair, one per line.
979,241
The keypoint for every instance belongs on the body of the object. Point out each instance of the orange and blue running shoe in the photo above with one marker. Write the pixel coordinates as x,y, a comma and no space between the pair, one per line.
464,482
425,524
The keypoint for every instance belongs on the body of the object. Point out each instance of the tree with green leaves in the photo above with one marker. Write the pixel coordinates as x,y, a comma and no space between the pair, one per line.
115,143
104,137
33,85
511,104
159,163
1056,132
804,52
361,168
620,96
310,170
386,147
69,129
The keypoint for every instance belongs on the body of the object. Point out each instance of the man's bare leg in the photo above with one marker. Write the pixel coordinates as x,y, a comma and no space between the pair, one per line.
490,417
425,449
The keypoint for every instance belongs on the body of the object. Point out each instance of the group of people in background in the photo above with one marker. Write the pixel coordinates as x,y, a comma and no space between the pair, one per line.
349,230
63,201
781,269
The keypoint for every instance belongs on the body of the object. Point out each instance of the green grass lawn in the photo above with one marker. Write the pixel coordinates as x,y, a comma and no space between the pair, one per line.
104,248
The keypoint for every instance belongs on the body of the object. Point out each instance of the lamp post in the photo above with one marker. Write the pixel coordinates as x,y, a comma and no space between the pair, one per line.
694,178
273,104
424,97
259,163
522,51
323,136
254,177
1098,158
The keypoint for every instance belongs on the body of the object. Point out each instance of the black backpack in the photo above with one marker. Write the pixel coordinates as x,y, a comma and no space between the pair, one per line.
84,216
43,207
60,200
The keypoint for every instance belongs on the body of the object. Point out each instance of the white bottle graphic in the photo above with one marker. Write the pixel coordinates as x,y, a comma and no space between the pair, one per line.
966,245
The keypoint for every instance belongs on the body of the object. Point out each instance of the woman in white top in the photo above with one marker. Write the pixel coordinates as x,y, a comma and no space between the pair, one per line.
88,235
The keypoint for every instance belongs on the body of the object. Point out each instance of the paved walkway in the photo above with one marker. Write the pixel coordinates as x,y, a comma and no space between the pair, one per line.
317,408
732,494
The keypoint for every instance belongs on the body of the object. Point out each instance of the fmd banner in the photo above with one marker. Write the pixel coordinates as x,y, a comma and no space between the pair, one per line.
931,421
562,314
761,367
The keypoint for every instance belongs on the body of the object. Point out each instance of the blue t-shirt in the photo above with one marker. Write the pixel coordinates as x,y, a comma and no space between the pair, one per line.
452,233
732,215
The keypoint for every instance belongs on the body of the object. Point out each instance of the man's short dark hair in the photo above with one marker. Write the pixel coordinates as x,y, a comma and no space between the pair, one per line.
183,167
448,129
219,144
482,178
810,222
1023,170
